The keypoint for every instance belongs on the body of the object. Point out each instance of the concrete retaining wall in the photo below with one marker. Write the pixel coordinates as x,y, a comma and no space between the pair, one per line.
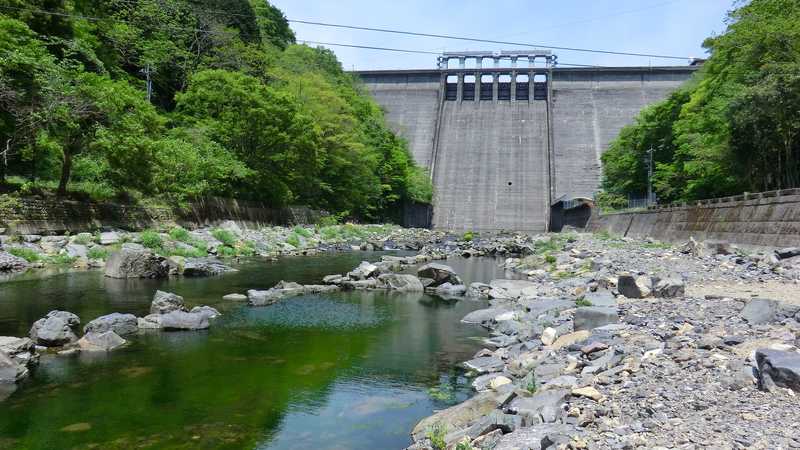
769,219
52,215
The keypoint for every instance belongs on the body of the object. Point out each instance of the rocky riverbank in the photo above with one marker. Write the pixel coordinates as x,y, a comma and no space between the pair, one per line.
612,344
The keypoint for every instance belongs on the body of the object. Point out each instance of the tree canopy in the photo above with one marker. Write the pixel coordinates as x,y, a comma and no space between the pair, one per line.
237,108
735,127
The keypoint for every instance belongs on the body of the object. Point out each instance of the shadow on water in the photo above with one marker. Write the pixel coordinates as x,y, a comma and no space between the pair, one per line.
349,370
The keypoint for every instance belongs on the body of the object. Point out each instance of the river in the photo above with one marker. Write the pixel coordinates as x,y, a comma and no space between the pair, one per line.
350,370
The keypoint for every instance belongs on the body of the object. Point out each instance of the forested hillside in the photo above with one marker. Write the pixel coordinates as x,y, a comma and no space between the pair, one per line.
237,108
735,128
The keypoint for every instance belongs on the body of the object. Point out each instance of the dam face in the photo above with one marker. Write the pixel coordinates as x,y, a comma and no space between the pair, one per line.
502,145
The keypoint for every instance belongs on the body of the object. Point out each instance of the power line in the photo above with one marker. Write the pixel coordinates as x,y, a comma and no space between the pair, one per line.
486,41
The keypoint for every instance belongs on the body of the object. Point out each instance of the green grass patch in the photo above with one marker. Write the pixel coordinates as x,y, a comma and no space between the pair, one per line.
83,239
180,234
224,236
26,254
151,239
531,385
61,260
226,252
656,246
581,302
468,236
305,232
98,253
293,240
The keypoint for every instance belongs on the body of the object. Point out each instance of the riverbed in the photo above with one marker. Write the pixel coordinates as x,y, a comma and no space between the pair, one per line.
350,370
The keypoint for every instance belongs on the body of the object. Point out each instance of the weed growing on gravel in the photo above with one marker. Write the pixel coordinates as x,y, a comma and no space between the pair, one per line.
224,236
436,434
582,302
465,444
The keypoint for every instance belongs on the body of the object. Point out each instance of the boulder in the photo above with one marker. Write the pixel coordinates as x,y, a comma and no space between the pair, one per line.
135,263
485,364
760,310
182,320
670,288
634,286
450,290
53,244
542,407
121,324
400,282
11,263
109,238
463,415
364,271
600,298
691,247
541,437
209,312
786,253
280,291
56,329
778,368
150,322
101,342
76,251
166,302
10,370
204,267
514,288
593,317
439,273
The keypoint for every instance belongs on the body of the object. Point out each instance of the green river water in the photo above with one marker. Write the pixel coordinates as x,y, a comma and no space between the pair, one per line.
342,371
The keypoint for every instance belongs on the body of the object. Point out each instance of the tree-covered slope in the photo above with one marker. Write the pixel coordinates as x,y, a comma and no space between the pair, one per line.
734,128
237,108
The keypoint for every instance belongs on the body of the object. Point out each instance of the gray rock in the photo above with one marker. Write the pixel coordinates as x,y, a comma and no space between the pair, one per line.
31,238
593,317
280,291
165,302
11,263
121,324
485,364
10,370
760,310
542,437
76,251
209,312
483,316
515,288
364,271
235,298
150,322
55,330
542,407
400,282
778,368
600,298
53,244
182,320
109,238
205,267
450,290
439,273
670,288
101,342
786,253
634,286
135,263
463,415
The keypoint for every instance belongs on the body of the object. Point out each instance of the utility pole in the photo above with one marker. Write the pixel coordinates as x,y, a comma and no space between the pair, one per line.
148,71
650,177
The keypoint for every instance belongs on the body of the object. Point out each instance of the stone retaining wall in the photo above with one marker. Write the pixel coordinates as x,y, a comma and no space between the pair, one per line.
767,219
52,215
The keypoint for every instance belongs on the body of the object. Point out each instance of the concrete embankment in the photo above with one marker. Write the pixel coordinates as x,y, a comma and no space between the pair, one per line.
767,219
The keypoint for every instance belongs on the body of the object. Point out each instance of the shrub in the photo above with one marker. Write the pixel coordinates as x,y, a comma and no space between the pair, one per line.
180,234
98,253
330,233
226,252
465,444
61,260
469,236
224,236
550,259
150,239
25,253
302,231
436,433
294,240
548,245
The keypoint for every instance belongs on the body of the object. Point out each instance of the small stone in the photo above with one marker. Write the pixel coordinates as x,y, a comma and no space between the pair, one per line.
569,339
588,392
549,336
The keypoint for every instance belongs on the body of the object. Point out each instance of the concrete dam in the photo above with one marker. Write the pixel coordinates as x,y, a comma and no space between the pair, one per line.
503,144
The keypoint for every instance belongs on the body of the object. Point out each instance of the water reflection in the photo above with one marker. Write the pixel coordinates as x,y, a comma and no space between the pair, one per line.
350,370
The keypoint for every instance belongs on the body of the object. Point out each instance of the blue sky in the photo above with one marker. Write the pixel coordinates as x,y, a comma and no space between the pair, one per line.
672,27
